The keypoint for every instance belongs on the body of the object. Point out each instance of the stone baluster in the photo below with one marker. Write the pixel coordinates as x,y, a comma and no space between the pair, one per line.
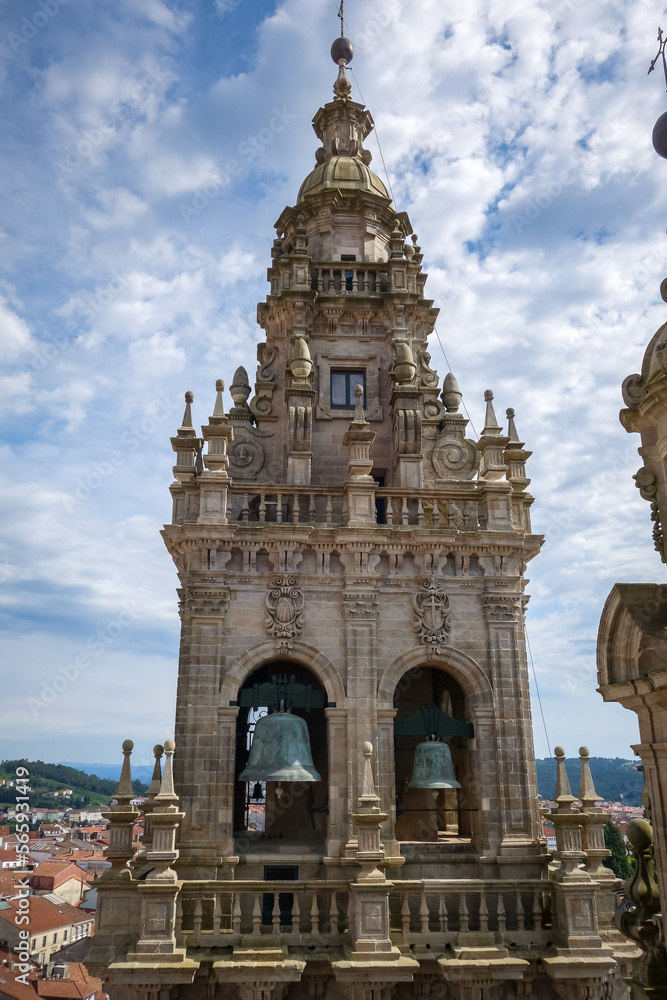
405,914
314,916
442,914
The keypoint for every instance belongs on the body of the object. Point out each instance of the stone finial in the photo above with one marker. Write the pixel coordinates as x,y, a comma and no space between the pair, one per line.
186,424
368,795
491,425
167,796
219,407
124,791
239,390
342,87
300,364
405,368
587,792
359,415
511,429
156,780
564,796
451,394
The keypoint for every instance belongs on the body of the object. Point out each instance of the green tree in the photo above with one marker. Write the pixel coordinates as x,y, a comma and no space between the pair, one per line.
613,841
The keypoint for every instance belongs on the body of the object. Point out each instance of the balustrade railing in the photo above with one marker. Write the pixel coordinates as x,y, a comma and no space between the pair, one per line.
434,911
325,507
342,280
453,906
218,914
287,505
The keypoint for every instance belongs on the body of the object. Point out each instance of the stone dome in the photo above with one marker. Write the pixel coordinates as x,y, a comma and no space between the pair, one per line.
347,174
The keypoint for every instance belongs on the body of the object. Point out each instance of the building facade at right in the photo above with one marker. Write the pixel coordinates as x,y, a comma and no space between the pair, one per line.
632,665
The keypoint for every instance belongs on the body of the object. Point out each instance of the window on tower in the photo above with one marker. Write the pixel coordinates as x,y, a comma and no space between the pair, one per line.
342,388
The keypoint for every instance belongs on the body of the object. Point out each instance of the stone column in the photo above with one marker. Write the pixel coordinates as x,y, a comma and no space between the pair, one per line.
338,827
224,818
361,616
514,750
197,763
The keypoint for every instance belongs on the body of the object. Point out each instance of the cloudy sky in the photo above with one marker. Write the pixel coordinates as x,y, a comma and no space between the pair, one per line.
149,146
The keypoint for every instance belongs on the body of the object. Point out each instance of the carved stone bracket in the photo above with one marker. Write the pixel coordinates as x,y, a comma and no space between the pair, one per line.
432,610
204,604
284,610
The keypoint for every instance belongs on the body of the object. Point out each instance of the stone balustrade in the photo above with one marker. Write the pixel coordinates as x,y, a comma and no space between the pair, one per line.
434,911
327,507
437,911
217,914
340,280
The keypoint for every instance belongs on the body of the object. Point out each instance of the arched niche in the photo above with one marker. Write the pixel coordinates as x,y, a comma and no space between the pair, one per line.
265,652
429,701
287,811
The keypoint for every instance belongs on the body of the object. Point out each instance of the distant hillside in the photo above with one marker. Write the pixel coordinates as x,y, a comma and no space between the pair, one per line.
613,778
87,790
144,772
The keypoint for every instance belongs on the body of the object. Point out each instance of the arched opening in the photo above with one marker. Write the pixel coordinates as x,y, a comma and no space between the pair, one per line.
430,702
289,810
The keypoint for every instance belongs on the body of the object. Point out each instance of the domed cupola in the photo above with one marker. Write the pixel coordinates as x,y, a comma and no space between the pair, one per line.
341,126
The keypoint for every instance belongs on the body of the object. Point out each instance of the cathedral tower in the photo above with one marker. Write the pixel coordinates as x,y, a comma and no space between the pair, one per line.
348,558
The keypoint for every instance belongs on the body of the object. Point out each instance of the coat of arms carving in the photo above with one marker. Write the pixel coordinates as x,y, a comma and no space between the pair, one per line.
284,610
432,610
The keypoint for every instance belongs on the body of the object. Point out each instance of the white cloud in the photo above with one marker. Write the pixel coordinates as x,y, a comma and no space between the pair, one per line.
516,135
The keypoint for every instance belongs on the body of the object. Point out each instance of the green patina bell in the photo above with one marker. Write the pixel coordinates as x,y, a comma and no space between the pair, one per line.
280,750
433,767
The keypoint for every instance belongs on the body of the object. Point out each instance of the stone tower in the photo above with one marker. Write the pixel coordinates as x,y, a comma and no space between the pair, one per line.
346,551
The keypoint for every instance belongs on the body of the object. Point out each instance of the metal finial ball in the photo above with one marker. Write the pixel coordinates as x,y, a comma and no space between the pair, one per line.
342,48
660,136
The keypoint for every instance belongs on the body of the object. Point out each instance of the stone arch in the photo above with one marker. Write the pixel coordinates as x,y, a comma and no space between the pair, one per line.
472,678
264,652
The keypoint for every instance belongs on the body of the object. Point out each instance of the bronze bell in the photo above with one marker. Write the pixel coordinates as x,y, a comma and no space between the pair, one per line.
433,766
280,750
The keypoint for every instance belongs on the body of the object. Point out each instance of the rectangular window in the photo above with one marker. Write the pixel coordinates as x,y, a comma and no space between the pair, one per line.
44,941
55,938
34,943
64,935
342,388
348,256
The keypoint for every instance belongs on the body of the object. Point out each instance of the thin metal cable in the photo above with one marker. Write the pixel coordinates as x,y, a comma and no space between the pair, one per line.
537,689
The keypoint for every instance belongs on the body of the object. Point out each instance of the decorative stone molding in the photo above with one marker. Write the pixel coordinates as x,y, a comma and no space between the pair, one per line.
360,607
502,608
284,610
204,604
432,609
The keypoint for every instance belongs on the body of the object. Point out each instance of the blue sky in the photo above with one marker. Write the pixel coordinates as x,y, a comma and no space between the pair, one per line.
148,148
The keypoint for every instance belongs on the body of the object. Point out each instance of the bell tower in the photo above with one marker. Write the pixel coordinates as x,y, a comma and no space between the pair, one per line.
342,531
353,748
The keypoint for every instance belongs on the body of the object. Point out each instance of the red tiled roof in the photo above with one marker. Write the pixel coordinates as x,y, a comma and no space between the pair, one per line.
57,872
45,915
8,855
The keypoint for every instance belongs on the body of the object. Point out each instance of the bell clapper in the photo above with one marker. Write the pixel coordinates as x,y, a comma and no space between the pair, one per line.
279,791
